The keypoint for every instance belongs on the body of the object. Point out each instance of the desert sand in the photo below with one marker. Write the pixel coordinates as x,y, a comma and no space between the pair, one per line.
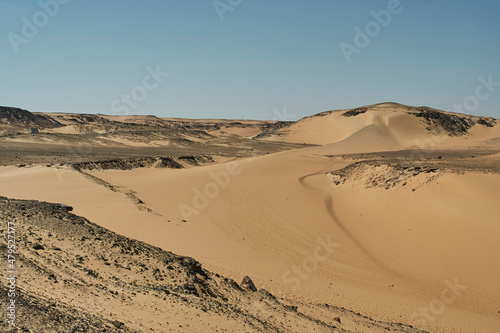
386,210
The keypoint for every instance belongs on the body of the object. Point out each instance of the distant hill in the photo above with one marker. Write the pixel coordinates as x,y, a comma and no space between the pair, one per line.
16,117
380,126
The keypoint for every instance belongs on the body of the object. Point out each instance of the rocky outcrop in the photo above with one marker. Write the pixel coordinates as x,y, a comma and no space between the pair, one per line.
145,162
247,284
355,112
452,124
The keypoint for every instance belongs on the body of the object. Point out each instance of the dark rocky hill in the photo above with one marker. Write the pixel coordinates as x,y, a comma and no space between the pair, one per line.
16,117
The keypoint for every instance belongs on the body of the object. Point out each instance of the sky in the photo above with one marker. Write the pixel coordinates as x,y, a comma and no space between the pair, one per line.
248,59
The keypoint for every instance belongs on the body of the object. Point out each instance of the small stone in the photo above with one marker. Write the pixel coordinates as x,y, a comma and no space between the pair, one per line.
66,207
337,319
38,247
118,324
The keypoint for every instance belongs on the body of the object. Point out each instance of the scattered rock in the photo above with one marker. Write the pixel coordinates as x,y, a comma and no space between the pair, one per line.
454,125
193,266
337,319
355,112
189,287
38,247
266,293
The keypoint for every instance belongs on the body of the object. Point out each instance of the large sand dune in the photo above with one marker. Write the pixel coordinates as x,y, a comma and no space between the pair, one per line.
389,125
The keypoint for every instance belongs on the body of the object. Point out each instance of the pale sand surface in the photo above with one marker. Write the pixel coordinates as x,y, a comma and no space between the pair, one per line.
395,247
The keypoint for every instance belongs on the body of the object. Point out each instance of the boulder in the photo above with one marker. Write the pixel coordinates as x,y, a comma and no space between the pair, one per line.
248,284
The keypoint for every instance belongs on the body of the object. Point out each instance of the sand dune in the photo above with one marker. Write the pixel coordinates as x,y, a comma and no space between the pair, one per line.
76,276
360,221
396,124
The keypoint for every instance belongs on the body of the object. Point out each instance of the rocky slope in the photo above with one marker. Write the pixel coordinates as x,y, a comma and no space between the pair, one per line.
74,276
15,119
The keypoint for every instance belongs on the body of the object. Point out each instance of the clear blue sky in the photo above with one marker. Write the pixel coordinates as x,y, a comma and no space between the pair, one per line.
263,56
